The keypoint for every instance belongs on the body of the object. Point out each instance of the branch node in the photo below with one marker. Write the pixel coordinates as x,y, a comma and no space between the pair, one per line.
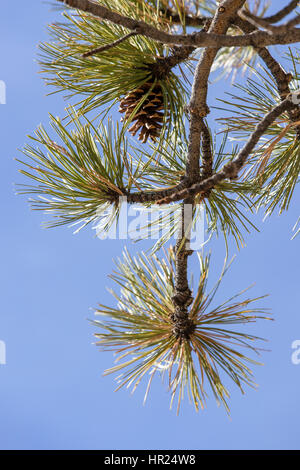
199,111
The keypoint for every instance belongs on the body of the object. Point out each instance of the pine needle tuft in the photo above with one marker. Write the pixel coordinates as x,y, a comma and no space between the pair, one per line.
141,331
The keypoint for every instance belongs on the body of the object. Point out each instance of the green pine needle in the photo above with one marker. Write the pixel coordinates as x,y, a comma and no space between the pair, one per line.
225,209
140,331
273,168
80,177
106,77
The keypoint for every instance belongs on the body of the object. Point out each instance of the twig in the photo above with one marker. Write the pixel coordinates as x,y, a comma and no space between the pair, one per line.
205,20
189,20
163,65
256,21
109,46
293,22
283,12
280,76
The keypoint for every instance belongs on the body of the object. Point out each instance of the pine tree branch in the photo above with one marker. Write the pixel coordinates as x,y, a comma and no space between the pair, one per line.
283,12
230,170
199,39
182,297
189,20
280,76
257,22
163,65
97,50
197,109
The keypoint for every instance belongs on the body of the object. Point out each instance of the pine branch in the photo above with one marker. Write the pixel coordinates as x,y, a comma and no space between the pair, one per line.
197,109
230,170
108,46
189,20
281,77
141,331
182,297
283,12
159,319
199,39
257,22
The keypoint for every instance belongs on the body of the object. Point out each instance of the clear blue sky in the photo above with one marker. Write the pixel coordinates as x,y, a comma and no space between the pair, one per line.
52,393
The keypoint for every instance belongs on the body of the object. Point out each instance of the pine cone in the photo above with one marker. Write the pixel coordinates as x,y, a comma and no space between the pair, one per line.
149,116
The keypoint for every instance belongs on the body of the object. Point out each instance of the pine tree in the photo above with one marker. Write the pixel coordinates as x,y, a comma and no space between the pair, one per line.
134,59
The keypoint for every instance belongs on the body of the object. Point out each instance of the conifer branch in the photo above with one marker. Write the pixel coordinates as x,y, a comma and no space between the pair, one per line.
182,297
189,20
109,46
230,170
257,22
197,109
159,320
283,12
281,78
199,39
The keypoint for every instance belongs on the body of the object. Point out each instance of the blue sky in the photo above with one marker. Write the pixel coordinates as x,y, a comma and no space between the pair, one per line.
52,392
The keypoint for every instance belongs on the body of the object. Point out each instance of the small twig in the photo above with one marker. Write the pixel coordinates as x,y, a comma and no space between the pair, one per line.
163,65
282,13
109,46
256,21
294,22
281,78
